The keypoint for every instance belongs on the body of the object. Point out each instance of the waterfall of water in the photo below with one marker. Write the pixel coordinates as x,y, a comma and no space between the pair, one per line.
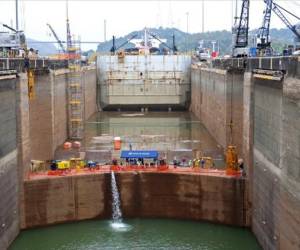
116,210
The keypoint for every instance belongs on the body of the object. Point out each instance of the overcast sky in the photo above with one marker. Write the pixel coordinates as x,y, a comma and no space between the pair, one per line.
87,17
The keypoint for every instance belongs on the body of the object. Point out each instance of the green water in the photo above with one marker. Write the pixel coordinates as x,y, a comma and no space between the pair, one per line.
139,234
177,135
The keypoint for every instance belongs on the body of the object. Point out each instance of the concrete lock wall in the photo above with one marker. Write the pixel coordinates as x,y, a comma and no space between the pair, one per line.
31,129
9,202
217,98
185,196
144,81
276,172
48,110
89,79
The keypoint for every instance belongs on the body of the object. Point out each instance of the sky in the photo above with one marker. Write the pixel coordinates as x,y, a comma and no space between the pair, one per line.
87,17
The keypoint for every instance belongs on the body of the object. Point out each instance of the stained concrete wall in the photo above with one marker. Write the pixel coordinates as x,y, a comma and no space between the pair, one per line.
89,79
48,110
9,213
217,98
276,173
8,115
31,129
144,81
186,196
40,118
60,109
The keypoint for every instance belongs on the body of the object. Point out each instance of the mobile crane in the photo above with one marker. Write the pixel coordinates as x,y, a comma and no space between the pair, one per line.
57,38
263,36
240,32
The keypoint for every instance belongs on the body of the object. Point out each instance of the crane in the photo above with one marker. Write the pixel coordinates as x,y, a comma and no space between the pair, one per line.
10,28
264,43
57,38
263,35
19,40
278,10
240,31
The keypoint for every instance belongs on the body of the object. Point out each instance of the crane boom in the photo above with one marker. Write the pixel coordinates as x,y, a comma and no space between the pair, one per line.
56,37
277,10
243,27
10,28
264,30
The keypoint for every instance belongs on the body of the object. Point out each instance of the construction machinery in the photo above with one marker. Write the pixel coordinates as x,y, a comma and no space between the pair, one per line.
263,36
240,32
12,44
278,10
57,38
68,53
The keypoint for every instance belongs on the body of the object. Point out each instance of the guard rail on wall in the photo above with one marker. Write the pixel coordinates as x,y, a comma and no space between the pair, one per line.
18,64
287,64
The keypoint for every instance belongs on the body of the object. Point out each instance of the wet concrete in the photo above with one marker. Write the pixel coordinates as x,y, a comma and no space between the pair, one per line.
143,194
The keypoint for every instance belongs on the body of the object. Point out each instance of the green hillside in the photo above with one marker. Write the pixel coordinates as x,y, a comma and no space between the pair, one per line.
187,41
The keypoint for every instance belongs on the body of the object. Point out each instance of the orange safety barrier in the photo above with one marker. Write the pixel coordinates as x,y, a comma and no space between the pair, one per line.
232,172
115,168
117,143
54,172
163,167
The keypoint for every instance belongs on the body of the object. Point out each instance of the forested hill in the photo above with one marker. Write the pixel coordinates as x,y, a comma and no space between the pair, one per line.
280,38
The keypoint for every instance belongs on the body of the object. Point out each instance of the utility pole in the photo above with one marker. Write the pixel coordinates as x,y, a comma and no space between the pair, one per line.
187,22
17,22
236,13
69,37
17,15
104,30
187,30
213,45
202,16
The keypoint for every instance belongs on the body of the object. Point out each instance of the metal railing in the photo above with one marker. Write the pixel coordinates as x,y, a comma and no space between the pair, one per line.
18,64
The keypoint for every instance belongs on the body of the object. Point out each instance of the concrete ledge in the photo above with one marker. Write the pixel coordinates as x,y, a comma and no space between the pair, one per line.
214,70
58,72
5,77
171,195
87,68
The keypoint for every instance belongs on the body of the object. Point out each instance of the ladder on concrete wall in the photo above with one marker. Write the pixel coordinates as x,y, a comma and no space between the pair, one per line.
75,93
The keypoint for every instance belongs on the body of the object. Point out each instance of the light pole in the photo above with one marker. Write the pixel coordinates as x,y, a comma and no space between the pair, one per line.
213,45
202,16
17,23
187,30
17,15
104,30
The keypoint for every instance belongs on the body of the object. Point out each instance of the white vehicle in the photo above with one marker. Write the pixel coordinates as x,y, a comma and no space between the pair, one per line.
296,53
203,55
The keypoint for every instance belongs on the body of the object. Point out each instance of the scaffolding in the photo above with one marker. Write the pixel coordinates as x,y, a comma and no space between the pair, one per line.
75,92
